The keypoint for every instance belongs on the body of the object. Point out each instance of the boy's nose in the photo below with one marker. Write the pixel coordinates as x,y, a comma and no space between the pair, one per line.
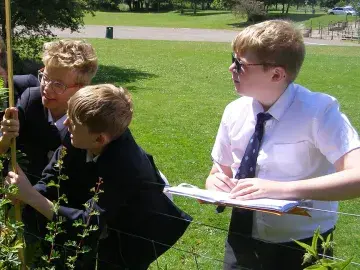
232,68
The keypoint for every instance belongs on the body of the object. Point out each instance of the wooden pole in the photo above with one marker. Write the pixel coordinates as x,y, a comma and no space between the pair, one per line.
12,104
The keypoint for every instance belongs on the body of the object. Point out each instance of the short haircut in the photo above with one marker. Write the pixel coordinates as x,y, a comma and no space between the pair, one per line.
75,55
102,108
276,42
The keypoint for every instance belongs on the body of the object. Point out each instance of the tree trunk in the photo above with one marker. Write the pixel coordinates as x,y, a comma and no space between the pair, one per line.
195,6
283,7
268,5
287,8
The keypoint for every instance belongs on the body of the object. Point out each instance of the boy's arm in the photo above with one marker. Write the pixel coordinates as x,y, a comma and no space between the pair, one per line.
220,176
342,185
29,195
339,143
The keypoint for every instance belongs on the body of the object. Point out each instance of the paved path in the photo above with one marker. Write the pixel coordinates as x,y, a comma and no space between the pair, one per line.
181,34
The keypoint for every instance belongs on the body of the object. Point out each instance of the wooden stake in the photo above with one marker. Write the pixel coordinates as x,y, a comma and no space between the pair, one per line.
12,104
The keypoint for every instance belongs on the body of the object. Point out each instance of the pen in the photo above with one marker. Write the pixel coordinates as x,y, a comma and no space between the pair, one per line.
218,168
217,165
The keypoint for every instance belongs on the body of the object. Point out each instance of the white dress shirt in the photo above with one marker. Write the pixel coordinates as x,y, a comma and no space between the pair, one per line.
305,137
59,124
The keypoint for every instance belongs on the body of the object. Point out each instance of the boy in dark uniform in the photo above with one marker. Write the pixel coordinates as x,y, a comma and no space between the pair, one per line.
138,222
37,122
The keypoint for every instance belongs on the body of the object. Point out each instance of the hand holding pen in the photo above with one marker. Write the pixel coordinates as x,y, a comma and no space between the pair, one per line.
218,180
224,183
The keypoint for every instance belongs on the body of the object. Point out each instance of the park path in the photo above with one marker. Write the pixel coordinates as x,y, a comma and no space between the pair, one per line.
180,34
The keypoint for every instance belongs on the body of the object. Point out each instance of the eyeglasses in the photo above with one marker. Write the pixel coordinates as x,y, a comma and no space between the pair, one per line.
239,63
58,87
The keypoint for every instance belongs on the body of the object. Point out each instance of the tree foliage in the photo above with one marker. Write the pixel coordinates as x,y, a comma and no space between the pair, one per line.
252,9
33,20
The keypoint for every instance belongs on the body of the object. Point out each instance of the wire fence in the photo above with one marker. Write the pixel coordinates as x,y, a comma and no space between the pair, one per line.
195,256
334,30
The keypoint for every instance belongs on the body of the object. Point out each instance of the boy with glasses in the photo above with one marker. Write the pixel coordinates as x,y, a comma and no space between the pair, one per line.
37,122
137,222
277,131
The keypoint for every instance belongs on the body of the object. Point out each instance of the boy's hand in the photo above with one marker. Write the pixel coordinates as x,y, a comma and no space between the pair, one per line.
25,188
255,188
10,124
220,182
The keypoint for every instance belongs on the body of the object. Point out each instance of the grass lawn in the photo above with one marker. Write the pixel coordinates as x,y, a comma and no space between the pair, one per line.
180,90
210,19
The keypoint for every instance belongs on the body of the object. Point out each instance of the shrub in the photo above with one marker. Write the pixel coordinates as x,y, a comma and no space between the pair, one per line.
253,10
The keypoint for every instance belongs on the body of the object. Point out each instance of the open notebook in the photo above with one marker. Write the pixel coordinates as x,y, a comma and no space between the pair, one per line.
278,207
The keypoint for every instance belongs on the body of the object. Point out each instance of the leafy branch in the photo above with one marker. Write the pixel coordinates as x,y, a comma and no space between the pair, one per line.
319,261
55,227
86,227
9,228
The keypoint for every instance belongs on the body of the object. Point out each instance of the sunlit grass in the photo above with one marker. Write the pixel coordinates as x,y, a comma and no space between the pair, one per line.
180,90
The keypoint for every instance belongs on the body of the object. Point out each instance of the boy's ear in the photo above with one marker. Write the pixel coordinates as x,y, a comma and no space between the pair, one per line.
278,74
102,139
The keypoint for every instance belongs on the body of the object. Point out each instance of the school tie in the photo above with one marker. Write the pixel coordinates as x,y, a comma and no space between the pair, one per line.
248,163
242,219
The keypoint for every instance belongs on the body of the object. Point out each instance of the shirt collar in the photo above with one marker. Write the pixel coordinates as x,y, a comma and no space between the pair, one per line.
59,123
90,157
278,109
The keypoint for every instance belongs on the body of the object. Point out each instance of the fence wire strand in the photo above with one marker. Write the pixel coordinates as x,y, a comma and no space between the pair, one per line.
197,255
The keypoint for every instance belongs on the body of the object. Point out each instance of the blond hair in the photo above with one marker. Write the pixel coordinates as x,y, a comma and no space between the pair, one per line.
102,108
274,43
75,55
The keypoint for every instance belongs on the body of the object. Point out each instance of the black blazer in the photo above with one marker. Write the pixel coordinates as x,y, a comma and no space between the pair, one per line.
138,222
37,137
22,82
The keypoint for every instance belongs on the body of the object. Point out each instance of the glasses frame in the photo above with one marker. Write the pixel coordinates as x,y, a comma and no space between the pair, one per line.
239,63
60,85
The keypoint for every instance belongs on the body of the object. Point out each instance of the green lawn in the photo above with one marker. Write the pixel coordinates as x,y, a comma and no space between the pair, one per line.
203,19
180,90
210,19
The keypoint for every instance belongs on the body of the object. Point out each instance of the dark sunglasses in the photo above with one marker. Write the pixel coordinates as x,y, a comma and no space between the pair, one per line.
239,63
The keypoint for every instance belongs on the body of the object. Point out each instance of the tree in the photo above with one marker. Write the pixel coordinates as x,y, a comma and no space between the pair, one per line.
252,9
33,19
328,3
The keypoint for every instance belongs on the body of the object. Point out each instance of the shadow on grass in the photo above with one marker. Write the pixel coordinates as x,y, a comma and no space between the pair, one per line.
240,25
294,17
120,76
106,74
273,16
201,14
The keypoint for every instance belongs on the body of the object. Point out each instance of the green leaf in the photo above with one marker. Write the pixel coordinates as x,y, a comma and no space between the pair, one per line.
307,248
18,244
315,238
70,243
316,267
53,184
342,265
